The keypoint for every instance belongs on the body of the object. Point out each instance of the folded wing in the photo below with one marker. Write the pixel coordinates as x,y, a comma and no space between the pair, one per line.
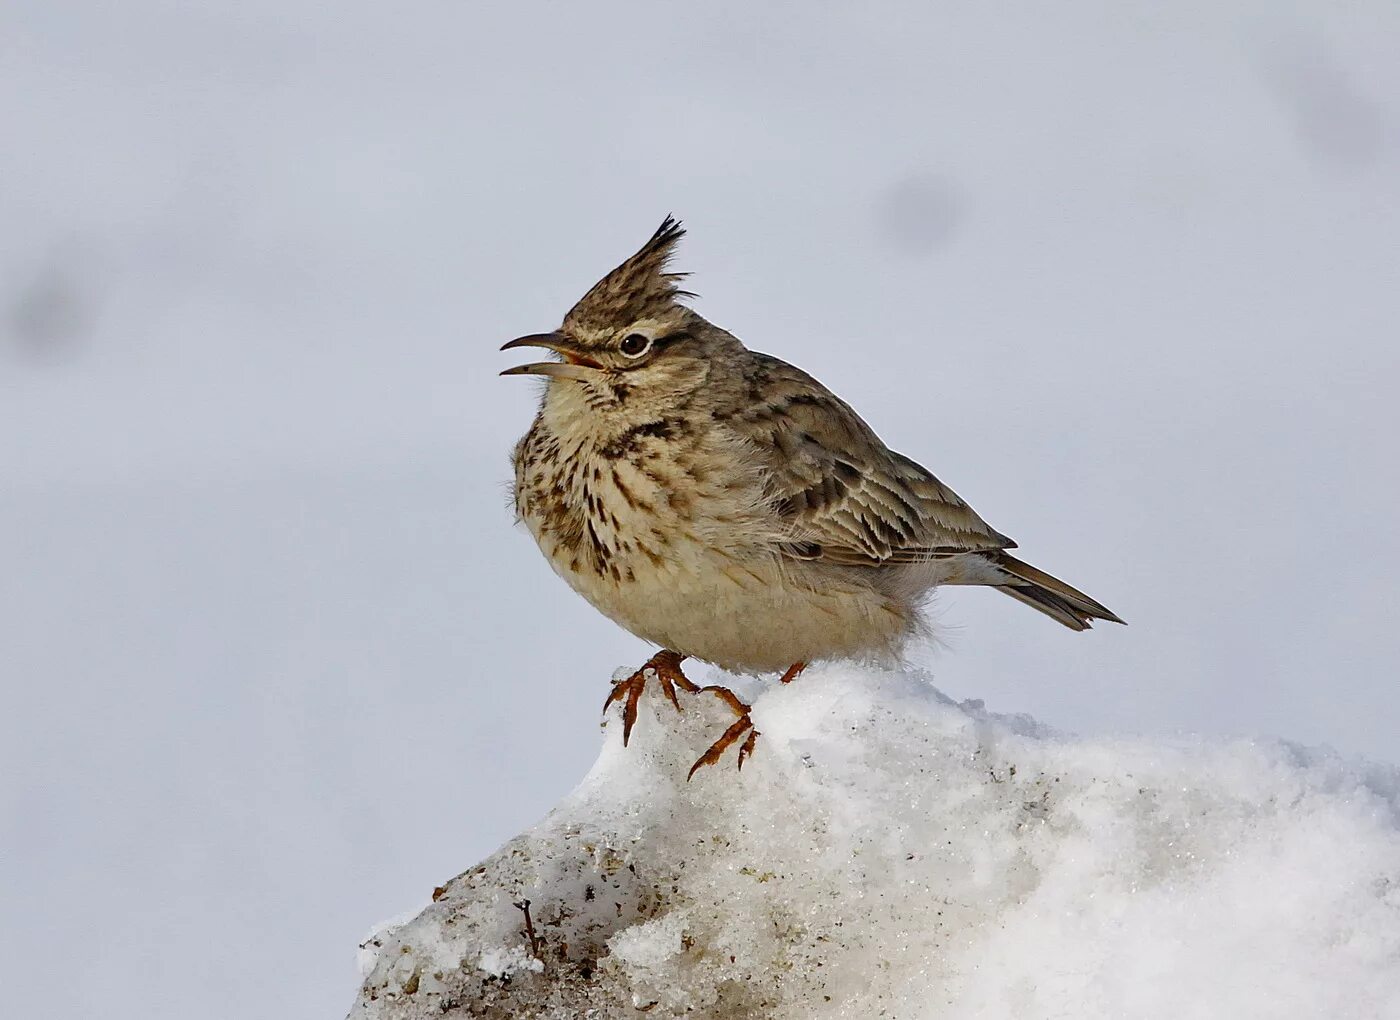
851,500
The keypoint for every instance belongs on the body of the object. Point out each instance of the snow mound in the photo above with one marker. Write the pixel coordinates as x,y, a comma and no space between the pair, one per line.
889,853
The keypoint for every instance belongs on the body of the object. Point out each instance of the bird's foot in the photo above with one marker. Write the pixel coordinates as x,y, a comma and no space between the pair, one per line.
740,726
727,739
665,667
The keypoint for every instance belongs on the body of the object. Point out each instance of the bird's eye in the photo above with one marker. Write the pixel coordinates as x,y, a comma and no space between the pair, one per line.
634,345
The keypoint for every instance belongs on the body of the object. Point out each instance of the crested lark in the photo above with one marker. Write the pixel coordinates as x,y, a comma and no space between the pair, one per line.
726,506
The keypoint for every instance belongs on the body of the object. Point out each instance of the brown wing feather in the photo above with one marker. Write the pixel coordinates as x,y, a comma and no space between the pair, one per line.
843,489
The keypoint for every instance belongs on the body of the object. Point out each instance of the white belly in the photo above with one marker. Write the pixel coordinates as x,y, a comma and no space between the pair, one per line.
759,615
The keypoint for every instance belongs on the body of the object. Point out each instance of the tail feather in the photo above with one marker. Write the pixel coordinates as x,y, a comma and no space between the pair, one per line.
1050,595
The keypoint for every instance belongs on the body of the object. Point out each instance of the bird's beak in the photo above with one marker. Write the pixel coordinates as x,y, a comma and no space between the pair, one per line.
574,366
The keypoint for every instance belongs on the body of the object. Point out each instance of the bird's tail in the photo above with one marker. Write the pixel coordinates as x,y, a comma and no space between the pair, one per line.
1050,595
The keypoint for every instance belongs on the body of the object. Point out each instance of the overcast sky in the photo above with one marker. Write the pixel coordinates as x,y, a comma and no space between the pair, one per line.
275,662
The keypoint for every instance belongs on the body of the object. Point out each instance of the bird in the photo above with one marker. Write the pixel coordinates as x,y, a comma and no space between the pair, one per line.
725,506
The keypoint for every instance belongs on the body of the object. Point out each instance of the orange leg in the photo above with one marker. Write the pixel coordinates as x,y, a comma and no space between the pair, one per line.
740,726
666,666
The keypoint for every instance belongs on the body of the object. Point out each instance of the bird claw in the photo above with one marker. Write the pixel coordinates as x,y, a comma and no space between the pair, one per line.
746,748
663,667
721,745
737,729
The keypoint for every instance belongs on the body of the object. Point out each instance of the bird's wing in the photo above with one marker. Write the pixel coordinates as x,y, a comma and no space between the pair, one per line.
848,498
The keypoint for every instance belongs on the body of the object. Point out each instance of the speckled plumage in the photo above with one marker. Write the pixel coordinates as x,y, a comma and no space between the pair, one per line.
724,504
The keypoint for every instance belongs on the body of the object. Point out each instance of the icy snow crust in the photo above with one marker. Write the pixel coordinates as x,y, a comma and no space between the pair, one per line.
888,853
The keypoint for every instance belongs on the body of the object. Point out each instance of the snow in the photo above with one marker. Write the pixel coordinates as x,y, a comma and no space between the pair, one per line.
888,852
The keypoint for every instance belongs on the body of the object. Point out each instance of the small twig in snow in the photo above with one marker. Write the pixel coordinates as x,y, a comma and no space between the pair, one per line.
524,907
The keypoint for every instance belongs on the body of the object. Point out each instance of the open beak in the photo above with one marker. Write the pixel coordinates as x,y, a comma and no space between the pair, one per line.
574,366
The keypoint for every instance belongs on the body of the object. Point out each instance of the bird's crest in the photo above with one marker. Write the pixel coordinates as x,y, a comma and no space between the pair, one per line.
639,288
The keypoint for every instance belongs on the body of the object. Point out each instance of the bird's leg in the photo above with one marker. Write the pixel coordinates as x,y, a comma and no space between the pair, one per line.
740,726
793,672
665,665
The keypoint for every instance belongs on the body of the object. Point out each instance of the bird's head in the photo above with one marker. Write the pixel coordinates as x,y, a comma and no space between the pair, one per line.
630,340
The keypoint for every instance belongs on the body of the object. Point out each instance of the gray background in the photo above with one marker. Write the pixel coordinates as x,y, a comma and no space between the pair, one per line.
274,661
